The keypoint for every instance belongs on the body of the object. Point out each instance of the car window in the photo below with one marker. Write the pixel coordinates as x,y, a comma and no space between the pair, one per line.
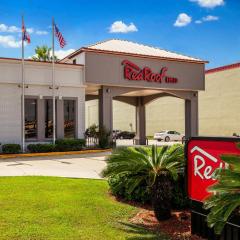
170,132
177,133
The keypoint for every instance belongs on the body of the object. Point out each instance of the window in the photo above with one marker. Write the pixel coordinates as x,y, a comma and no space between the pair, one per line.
74,61
48,118
30,118
69,118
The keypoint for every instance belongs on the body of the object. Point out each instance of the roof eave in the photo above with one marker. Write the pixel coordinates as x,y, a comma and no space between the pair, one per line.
85,49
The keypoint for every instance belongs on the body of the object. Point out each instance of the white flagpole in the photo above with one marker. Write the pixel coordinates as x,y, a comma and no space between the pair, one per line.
53,84
23,91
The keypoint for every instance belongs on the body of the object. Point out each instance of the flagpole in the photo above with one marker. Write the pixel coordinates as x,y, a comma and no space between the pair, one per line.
23,90
53,84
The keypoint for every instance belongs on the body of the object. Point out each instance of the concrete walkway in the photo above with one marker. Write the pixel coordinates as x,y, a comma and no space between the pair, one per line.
73,166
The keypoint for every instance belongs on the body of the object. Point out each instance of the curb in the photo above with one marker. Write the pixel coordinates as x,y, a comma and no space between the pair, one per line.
7,156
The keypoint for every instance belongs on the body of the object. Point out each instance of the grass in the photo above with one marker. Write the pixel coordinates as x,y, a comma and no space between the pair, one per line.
42,208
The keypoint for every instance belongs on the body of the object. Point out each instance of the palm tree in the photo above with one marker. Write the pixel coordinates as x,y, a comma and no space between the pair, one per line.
43,53
226,197
156,166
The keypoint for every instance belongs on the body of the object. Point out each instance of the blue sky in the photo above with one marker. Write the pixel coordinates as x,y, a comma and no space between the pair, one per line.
207,29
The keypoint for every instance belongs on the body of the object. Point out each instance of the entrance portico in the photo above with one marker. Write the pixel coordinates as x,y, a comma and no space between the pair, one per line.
137,75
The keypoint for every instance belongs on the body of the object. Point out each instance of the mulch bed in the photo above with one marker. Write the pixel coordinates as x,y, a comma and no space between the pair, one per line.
178,227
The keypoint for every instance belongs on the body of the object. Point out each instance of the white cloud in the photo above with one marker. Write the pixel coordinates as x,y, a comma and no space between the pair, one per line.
182,20
121,27
13,29
208,18
30,30
10,29
41,32
209,3
63,53
10,41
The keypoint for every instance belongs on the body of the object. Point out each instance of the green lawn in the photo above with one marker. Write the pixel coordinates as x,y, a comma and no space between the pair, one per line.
60,208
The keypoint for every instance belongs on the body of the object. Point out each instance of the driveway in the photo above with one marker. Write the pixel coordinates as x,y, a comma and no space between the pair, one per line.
73,166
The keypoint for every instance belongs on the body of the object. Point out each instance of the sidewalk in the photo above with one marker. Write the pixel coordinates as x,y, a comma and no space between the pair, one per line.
73,166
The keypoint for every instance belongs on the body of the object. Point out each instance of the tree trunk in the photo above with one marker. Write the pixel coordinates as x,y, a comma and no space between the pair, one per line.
162,196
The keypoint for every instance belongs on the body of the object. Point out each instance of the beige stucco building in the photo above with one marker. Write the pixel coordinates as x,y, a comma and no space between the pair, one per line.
219,105
41,101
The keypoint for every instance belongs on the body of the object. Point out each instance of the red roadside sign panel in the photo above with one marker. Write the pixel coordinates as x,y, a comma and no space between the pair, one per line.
203,157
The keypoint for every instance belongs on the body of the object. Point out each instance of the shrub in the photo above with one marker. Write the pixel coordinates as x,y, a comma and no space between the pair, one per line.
156,168
142,194
180,198
63,145
92,131
104,138
120,188
11,148
41,148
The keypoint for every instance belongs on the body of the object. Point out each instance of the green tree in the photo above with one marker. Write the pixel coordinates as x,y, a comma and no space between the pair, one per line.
226,197
43,53
156,166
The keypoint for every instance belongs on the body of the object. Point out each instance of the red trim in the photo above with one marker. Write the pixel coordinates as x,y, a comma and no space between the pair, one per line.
223,68
34,61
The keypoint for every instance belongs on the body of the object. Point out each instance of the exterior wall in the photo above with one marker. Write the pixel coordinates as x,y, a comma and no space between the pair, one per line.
69,80
166,113
10,114
120,121
107,69
91,113
219,105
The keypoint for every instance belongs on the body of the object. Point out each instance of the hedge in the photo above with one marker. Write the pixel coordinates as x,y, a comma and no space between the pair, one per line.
11,148
41,148
61,145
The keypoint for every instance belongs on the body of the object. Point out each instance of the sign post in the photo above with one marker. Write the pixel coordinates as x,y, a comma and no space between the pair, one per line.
203,158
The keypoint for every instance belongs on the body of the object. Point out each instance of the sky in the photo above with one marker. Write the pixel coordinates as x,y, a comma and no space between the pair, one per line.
206,29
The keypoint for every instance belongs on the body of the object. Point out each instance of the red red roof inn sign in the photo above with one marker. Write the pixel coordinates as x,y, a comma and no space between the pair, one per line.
134,72
203,158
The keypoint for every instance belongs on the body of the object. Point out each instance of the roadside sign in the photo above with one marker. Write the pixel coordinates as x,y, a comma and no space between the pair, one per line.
203,158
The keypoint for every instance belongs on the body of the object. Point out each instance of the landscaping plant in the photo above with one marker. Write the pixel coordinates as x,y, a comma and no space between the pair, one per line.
104,138
11,148
226,198
155,167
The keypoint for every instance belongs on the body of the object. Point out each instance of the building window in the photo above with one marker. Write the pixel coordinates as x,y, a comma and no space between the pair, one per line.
48,118
74,61
69,118
30,118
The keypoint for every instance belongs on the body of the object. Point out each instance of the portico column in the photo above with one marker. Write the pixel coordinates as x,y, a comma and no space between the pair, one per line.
105,108
191,116
140,122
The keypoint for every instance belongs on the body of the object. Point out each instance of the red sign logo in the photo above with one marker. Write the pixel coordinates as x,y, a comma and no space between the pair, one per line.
204,157
133,72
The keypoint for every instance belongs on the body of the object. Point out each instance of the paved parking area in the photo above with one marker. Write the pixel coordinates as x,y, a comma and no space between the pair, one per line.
74,166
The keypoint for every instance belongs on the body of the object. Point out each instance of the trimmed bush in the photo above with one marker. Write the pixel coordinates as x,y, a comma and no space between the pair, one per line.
122,183
41,148
63,145
119,188
104,138
11,148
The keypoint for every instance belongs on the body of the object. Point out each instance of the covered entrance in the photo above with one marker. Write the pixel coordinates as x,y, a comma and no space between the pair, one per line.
137,74
139,99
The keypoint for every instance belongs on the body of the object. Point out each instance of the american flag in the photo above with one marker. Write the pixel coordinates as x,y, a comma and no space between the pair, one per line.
26,36
58,34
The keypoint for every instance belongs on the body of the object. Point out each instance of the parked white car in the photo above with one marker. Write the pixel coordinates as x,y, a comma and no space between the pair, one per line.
168,136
